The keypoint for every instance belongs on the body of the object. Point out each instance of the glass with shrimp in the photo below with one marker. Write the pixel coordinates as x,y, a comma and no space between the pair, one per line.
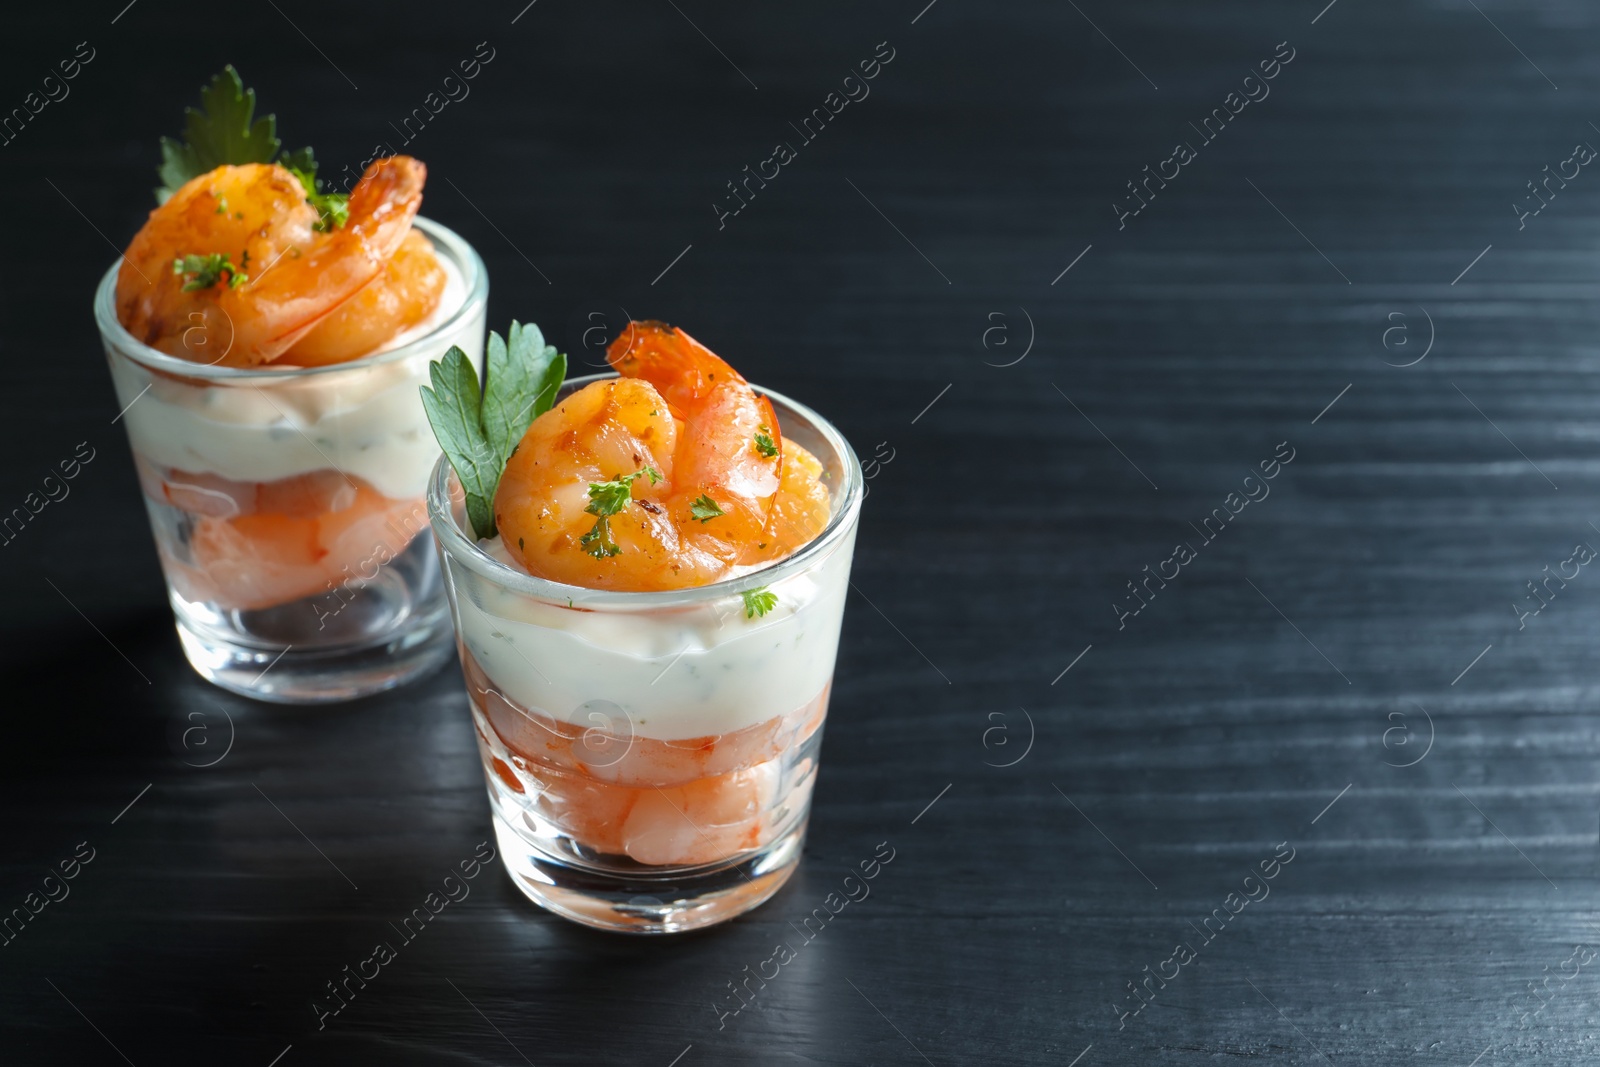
271,399
649,638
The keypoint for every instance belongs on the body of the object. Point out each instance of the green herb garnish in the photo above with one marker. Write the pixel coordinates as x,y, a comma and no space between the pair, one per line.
757,602
224,130
333,209
704,509
479,431
597,542
205,271
764,443
605,500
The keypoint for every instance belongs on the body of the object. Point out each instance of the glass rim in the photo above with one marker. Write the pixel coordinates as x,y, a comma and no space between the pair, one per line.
453,540
115,334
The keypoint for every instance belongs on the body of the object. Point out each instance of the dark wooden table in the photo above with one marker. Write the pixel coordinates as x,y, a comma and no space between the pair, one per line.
1057,395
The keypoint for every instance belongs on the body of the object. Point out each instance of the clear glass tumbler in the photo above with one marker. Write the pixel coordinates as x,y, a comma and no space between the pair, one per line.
650,756
288,503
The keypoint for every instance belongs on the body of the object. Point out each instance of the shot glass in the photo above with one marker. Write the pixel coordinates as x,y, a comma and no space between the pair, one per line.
288,503
650,756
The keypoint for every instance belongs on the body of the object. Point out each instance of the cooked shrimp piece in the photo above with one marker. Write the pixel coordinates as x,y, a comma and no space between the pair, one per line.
502,769
524,734
196,493
800,511
251,214
281,276
685,802
250,562
405,293
324,536
646,762
723,417
306,496
632,761
359,541
702,822
682,426
608,429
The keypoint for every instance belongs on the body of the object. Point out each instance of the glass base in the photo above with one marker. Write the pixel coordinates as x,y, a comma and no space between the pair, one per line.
651,900
361,637
289,675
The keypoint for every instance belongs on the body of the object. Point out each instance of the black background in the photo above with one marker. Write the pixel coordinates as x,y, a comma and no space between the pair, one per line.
903,258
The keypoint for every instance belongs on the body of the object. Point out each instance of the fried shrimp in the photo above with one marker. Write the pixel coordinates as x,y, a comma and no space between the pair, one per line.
666,478
233,269
722,417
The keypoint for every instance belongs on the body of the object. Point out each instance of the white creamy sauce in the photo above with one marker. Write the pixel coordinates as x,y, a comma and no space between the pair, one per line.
362,419
669,675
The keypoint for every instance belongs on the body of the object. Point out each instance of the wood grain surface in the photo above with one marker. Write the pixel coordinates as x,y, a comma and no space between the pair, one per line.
1057,395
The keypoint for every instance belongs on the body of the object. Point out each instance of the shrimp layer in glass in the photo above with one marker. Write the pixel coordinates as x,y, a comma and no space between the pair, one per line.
287,501
650,755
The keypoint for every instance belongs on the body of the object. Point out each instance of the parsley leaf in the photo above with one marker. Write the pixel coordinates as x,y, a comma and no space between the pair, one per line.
764,443
333,209
453,406
223,130
523,376
758,602
607,499
207,271
705,509
302,161
597,542
479,430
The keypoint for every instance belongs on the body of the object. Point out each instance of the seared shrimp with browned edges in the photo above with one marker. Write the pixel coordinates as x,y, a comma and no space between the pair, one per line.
233,269
690,458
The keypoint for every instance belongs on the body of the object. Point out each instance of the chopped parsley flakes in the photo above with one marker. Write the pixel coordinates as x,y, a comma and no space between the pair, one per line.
605,500
202,272
758,602
764,443
704,509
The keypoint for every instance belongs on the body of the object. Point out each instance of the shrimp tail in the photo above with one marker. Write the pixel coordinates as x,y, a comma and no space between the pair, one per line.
681,368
